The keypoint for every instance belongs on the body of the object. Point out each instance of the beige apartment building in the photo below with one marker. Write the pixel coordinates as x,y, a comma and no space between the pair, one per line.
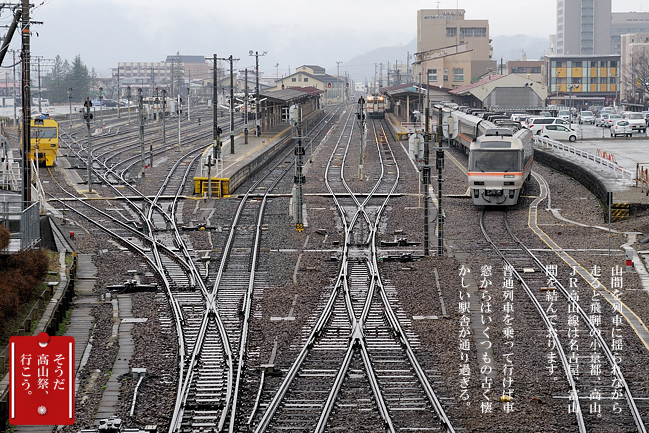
450,49
634,63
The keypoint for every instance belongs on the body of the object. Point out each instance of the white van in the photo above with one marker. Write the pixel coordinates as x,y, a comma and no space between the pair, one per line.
535,124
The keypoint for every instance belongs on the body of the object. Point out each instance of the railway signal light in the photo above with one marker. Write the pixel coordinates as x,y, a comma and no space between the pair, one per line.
329,85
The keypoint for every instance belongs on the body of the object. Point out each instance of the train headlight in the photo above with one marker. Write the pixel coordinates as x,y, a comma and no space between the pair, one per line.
509,176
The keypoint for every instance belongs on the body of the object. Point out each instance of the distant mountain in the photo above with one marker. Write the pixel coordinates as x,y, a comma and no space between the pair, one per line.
361,68
512,47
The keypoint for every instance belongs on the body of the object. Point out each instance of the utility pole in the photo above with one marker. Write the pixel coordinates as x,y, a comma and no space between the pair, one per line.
245,109
118,95
231,60
88,116
339,83
440,181
128,99
299,177
216,131
425,180
38,60
179,110
257,102
361,118
70,101
152,81
101,106
142,115
14,86
231,104
26,105
163,114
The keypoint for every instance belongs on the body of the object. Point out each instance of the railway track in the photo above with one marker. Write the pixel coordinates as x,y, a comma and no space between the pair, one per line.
567,327
357,346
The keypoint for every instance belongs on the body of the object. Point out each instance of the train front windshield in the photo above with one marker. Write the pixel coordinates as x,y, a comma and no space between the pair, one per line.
502,161
42,133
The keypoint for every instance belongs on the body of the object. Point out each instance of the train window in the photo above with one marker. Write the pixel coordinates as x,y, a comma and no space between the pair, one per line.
43,132
498,161
495,145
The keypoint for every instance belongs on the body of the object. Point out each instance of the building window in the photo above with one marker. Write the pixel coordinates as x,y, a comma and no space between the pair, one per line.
451,32
593,64
577,65
458,74
602,64
306,80
445,74
519,70
473,32
535,70
294,79
432,75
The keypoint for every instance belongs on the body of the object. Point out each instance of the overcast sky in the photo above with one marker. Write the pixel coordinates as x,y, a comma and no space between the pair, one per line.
105,32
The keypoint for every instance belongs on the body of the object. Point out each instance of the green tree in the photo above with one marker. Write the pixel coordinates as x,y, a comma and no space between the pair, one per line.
80,80
55,82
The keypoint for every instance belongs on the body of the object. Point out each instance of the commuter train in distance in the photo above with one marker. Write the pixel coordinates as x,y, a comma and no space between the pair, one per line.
376,106
500,159
44,140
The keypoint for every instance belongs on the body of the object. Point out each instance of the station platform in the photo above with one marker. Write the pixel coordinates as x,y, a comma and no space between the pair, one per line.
234,168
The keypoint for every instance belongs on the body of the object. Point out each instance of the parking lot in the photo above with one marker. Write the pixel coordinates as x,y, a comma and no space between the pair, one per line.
626,152
589,132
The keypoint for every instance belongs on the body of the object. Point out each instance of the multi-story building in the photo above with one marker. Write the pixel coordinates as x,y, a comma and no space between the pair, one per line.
583,27
624,23
316,76
582,80
634,64
176,70
449,46
590,27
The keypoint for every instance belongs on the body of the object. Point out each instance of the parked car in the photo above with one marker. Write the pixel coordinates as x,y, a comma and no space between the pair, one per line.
602,118
612,118
645,114
536,123
636,120
621,127
586,117
564,114
545,114
559,132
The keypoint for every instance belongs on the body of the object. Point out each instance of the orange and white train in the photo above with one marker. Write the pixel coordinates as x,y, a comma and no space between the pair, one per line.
376,106
500,160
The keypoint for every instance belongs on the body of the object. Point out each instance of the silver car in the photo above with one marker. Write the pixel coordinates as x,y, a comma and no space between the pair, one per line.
621,127
586,117
602,119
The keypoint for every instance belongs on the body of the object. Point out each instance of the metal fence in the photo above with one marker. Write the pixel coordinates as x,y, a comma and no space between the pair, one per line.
24,225
607,163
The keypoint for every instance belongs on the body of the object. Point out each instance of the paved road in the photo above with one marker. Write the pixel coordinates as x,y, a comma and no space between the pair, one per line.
627,152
